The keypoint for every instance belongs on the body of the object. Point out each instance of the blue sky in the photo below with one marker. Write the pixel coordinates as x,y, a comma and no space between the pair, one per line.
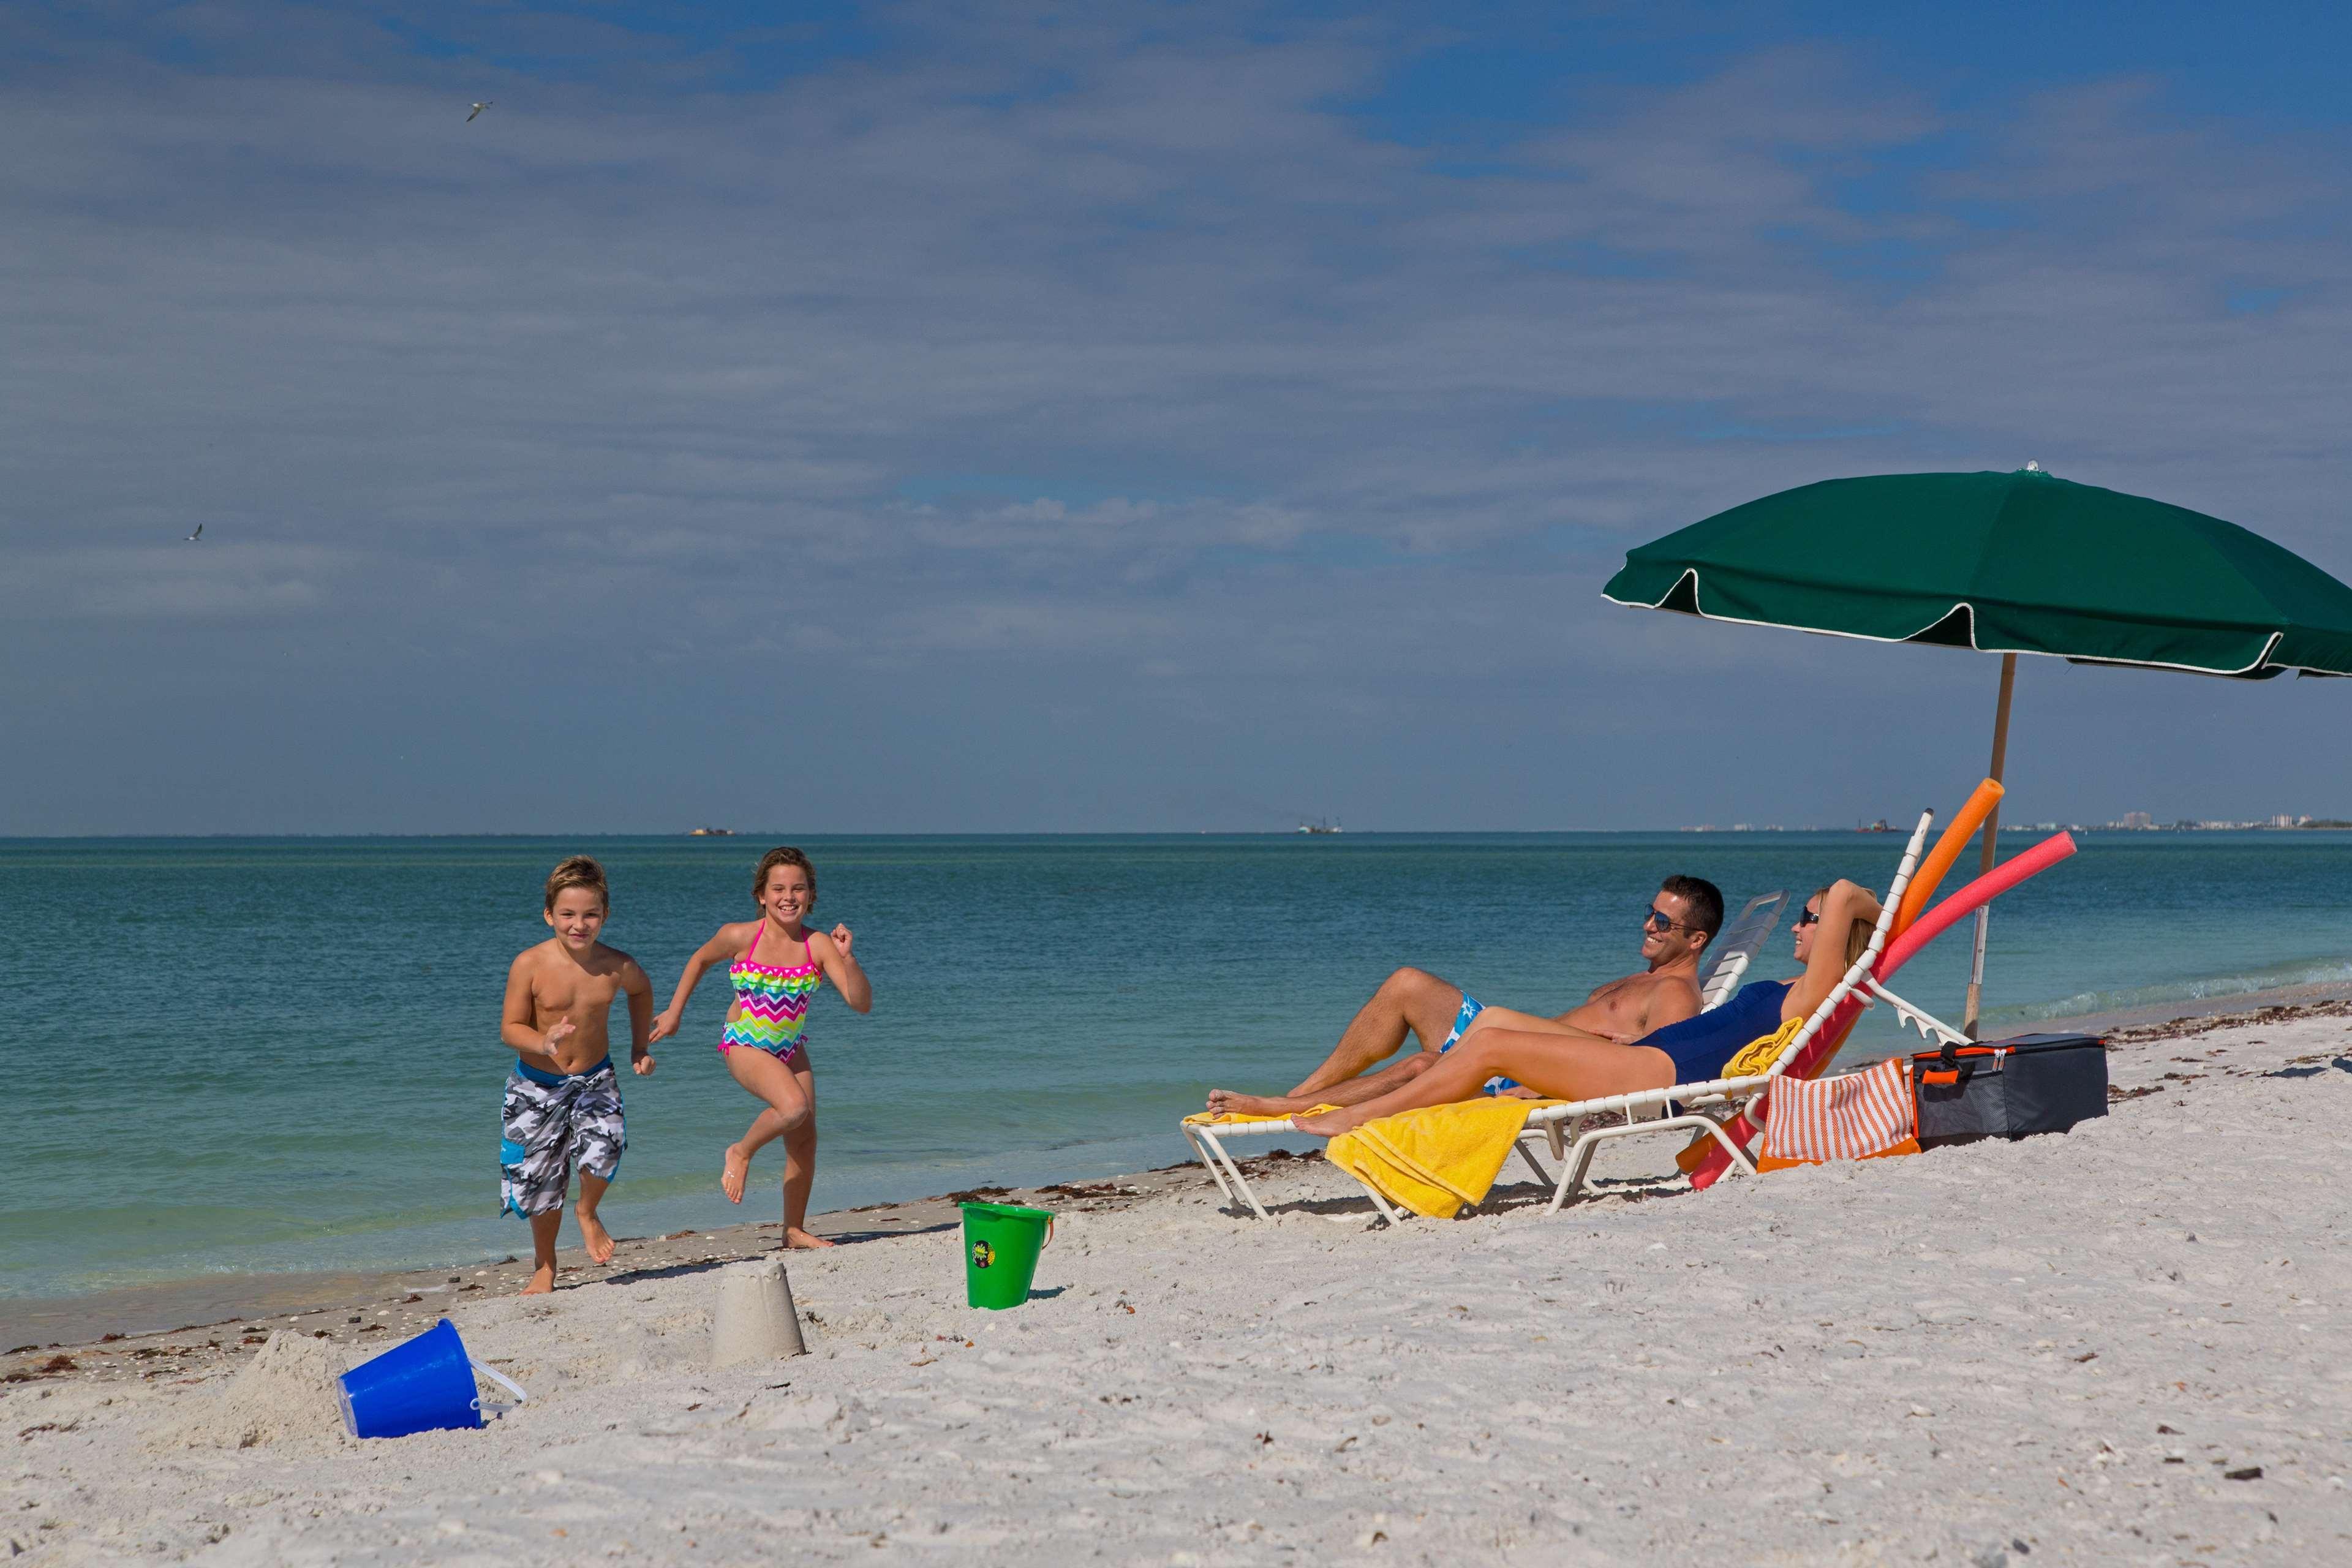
923,417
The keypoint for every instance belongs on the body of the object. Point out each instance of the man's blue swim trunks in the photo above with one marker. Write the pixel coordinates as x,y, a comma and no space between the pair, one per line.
1471,1008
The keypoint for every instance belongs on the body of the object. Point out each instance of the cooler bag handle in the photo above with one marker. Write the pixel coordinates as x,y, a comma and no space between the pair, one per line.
1948,1070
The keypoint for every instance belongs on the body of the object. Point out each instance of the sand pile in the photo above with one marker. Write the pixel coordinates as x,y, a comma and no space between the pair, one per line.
285,1394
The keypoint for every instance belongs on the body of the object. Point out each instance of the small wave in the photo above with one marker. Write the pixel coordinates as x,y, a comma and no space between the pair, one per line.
2315,972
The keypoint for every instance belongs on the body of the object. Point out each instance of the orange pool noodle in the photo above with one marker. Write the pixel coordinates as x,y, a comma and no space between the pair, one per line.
1946,850
1714,1161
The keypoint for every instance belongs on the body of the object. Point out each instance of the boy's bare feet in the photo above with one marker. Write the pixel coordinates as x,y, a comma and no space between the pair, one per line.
595,1237
1225,1102
734,1173
1329,1125
544,1228
799,1240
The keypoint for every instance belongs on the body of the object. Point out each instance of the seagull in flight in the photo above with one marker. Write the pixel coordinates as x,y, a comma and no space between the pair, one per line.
478,109
198,535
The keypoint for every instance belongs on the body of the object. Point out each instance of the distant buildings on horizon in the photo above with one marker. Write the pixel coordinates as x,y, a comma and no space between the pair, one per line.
2141,822
2131,822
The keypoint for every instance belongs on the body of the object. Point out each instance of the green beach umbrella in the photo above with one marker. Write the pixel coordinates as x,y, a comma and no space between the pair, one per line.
2008,563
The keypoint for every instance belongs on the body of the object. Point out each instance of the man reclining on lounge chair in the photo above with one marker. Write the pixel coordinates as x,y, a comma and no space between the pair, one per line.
1681,919
1573,1064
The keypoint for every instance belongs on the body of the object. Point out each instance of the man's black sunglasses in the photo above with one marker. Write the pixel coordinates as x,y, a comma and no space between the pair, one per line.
1656,918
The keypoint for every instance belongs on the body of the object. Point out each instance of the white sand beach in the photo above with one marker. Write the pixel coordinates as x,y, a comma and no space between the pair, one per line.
2128,1344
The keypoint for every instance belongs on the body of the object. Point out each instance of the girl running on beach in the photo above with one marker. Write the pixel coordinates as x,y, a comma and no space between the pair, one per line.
776,963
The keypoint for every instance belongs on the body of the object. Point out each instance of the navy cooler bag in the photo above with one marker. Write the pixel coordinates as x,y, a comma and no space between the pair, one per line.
2009,1088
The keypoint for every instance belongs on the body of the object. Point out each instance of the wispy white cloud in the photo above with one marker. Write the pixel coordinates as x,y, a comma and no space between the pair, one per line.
258,584
1316,429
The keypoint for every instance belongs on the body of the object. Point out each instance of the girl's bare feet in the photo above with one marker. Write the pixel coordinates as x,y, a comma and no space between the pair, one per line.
595,1237
799,1240
542,1281
734,1173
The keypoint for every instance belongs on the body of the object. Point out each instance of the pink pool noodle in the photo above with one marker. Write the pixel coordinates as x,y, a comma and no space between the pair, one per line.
1923,930
1983,891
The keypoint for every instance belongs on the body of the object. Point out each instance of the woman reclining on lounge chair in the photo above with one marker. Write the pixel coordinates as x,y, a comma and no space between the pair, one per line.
1557,1062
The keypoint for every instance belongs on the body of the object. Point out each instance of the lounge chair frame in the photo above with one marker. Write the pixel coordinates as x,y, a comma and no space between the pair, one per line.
1645,1112
1745,935
1680,1105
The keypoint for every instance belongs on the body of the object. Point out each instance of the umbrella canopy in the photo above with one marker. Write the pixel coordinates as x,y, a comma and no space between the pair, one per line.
2016,563
2022,563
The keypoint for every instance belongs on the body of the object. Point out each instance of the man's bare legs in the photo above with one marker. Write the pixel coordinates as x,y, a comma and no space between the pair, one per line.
1569,1066
1347,1091
1408,999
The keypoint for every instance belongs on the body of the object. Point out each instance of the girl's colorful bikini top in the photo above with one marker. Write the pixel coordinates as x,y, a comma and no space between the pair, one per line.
772,1002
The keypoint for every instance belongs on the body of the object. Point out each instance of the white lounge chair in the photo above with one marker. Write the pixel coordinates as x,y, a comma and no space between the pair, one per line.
1627,1115
1735,949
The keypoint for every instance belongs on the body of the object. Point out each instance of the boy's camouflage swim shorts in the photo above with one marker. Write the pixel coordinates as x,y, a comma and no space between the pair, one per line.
550,1126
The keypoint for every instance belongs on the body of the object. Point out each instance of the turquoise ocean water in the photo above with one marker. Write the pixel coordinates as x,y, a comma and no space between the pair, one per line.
241,1055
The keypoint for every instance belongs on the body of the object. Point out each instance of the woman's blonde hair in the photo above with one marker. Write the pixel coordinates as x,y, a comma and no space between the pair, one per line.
1857,935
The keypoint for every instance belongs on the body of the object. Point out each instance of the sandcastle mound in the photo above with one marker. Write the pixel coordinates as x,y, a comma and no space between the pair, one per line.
285,1393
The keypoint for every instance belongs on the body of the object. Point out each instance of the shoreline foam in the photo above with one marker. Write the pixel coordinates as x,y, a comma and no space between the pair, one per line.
265,1303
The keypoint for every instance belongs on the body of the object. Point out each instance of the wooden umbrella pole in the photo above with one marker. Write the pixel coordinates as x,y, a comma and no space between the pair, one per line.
1991,842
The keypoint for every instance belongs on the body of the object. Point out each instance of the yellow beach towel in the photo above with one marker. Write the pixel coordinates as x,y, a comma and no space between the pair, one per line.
1753,1059
1758,1055
1439,1160
1235,1117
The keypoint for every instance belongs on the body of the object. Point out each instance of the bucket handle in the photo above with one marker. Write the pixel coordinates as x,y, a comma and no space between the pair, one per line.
503,1381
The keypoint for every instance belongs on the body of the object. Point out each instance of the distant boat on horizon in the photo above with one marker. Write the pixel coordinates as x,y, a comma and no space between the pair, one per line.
710,833
1324,824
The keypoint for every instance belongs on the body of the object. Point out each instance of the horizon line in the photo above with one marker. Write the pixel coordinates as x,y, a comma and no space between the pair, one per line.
2332,825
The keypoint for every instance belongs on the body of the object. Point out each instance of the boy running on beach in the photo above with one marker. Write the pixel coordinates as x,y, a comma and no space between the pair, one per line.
562,1106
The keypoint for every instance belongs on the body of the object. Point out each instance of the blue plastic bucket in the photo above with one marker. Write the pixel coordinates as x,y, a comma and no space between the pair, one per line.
426,1384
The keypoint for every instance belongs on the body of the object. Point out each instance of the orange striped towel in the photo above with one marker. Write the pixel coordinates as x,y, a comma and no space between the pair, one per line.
1860,1116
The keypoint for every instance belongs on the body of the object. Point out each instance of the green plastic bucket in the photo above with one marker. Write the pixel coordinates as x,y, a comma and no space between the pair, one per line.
1001,1244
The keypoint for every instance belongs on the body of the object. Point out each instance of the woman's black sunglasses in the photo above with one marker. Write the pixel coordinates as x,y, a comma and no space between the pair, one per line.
1806,918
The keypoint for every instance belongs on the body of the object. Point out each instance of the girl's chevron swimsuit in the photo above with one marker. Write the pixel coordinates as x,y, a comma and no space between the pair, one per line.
771,1003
